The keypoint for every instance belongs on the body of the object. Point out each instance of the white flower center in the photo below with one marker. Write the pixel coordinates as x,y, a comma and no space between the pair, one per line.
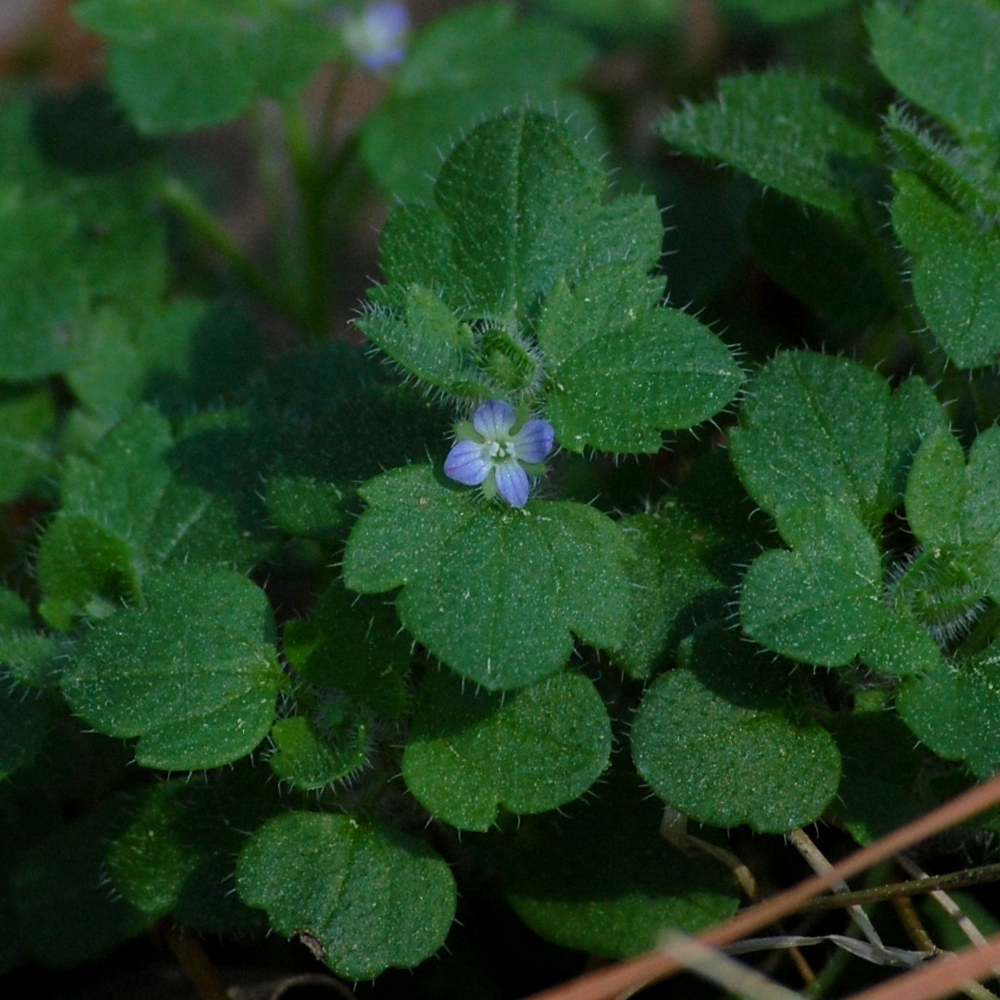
501,451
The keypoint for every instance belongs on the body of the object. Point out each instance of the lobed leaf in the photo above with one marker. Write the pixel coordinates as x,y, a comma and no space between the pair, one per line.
538,258
351,887
622,370
530,751
193,674
796,133
816,427
718,740
497,594
177,853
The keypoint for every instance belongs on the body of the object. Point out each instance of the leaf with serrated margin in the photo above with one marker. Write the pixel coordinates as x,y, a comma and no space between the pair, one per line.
131,508
530,751
194,674
943,57
789,131
914,413
814,427
514,237
621,370
495,593
352,887
956,272
718,740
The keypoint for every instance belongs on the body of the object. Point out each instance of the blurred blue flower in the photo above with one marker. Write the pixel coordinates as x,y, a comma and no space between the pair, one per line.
490,454
377,35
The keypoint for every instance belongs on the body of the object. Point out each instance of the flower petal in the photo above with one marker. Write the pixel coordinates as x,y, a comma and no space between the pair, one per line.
467,463
512,482
494,419
534,440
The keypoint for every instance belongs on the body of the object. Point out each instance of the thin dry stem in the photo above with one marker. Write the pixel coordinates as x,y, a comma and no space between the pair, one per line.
604,984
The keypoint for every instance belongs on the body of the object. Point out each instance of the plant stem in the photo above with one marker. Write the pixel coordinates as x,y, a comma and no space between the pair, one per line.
180,197
309,179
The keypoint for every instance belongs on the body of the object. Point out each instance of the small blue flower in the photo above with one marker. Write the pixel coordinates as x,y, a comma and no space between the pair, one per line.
493,457
377,36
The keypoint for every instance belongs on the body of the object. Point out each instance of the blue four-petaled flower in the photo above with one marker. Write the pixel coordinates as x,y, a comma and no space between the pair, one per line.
494,456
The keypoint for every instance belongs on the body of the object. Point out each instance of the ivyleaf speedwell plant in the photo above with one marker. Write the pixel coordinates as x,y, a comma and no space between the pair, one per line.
608,520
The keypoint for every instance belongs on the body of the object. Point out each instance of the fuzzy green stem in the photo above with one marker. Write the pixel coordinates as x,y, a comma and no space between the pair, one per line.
207,226
312,190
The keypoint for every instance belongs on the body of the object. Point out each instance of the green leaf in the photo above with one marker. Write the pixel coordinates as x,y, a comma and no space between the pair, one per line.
815,427
956,272
193,674
674,584
177,854
85,569
718,740
943,57
351,888
964,175
880,786
539,287
496,593
356,647
914,414
789,131
826,264
956,712
134,507
603,880
515,237
24,727
177,65
530,751
180,356
26,424
43,295
935,490
65,914
952,507
819,602
309,758
28,657
621,371
463,68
